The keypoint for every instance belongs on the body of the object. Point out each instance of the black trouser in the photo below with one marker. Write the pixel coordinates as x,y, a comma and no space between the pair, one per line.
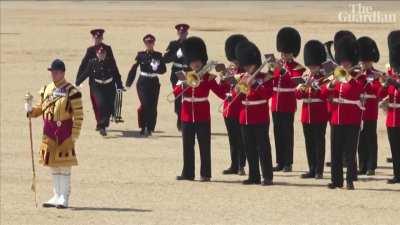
368,146
203,132
148,90
344,142
284,137
238,155
178,101
103,97
394,141
258,149
314,135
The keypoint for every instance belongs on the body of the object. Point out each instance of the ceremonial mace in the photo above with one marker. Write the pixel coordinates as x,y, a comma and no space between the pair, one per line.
28,105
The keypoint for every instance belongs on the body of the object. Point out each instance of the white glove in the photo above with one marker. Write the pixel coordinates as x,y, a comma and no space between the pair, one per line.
179,53
154,64
28,107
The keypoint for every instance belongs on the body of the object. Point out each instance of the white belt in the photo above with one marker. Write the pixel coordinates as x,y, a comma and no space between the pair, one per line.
228,94
109,80
258,102
193,99
312,100
394,105
284,89
179,65
152,75
367,96
350,102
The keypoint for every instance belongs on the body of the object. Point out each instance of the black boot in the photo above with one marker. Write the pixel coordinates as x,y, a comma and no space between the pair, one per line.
278,168
103,132
251,181
307,175
184,178
393,181
230,170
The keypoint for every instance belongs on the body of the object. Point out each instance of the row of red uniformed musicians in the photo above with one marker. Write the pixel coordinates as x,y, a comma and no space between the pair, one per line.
349,101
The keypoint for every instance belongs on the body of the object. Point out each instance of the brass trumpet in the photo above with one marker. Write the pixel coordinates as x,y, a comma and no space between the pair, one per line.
193,79
242,86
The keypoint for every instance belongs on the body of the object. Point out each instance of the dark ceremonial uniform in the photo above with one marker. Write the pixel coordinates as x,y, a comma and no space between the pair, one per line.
195,117
195,113
231,109
254,117
346,116
314,111
148,86
112,67
174,55
103,81
368,143
392,90
283,103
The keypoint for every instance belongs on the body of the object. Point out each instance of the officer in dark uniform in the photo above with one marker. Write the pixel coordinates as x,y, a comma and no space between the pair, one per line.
104,79
148,86
174,54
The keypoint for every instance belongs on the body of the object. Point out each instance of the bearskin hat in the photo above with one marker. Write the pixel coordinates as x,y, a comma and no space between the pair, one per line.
288,40
247,53
368,50
194,49
347,50
231,43
314,53
394,56
393,37
340,34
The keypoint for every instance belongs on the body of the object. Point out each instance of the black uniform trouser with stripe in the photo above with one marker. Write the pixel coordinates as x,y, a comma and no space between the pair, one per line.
394,141
238,155
314,135
368,146
201,130
344,143
258,151
178,100
284,137
148,90
103,97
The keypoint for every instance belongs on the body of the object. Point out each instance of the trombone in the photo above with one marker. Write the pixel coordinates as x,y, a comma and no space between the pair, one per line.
192,79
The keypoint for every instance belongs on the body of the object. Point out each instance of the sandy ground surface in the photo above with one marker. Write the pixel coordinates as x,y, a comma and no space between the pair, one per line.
123,179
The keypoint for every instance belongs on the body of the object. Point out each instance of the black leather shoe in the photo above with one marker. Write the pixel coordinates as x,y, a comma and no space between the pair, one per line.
370,172
333,186
277,168
287,169
48,205
250,182
241,172
179,124
361,172
267,183
205,179
328,164
103,132
307,175
229,171
389,160
393,181
184,178
350,186
319,176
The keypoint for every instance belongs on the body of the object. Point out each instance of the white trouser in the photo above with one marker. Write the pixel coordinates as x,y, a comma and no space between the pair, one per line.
61,186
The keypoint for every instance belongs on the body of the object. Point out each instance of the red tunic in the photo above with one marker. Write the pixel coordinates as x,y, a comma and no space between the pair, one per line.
195,105
284,98
393,113
231,101
346,106
254,107
314,109
370,96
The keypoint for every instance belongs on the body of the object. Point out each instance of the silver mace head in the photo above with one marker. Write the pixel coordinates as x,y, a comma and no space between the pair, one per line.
28,98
